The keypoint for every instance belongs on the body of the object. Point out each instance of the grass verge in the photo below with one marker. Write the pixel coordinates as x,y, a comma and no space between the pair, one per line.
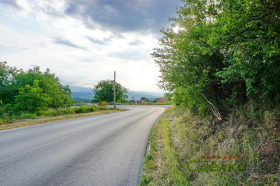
185,149
43,119
161,163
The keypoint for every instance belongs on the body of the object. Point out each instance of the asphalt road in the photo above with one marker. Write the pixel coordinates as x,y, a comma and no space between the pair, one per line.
97,150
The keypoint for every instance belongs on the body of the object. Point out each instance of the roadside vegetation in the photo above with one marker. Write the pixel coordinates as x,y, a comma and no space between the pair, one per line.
34,94
50,115
35,120
220,62
104,91
180,138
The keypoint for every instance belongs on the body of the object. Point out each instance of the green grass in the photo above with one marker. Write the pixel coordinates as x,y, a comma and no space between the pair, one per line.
52,115
72,110
180,137
161,163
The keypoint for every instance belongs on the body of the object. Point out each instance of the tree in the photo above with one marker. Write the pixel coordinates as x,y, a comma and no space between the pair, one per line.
59,95
168,96
104,91
144,99
12,80
7,90
225,52
31,98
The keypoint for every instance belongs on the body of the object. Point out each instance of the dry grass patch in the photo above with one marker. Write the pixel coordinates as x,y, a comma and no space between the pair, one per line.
180,137
42,120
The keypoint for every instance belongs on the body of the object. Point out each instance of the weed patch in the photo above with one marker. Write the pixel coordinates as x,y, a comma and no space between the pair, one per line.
52,115
190,150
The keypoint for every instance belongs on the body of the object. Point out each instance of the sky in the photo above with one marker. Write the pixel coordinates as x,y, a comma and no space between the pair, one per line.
85,41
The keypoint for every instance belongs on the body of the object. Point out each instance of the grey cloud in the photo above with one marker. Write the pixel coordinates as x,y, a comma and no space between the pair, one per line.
100,42
135,43
11,3
52,12
67,43
124,15
47,9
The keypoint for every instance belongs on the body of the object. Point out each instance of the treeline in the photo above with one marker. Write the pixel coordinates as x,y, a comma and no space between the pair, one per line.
221,54
30,91
221,57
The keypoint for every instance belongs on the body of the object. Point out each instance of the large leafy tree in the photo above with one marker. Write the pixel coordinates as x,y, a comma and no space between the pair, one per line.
7,91
225,51
31,98
14,82
104,91
59,95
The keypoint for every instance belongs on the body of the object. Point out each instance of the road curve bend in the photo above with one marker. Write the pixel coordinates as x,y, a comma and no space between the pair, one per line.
97,150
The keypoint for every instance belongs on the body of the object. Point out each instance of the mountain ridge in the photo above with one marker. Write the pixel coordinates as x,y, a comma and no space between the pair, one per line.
85,94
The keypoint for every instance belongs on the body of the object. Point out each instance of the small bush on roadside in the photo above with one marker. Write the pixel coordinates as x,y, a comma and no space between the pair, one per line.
27,116
7,115
80,109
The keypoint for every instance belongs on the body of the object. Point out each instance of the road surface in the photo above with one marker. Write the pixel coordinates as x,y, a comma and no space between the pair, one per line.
97,150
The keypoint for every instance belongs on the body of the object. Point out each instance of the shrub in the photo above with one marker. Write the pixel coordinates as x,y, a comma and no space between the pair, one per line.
27,116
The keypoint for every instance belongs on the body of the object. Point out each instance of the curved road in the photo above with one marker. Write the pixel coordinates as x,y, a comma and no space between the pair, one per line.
97,150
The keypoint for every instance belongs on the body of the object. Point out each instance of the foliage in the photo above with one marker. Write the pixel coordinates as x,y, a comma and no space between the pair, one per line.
144,99
223,54
180,137
12,80
7,90
72,110
169,96
3,114
31,98
104,91
52,115
24,93
225,51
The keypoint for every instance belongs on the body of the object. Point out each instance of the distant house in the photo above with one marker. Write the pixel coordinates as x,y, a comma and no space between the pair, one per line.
162,100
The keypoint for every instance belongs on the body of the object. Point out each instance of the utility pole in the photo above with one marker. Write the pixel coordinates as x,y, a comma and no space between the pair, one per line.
114,89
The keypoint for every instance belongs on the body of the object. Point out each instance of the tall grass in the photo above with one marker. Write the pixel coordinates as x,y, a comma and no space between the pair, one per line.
11,117
183,137
72,110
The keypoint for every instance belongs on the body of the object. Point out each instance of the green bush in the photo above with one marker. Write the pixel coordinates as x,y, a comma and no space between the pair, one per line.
27,116
80,109
7,114
225,51
73,110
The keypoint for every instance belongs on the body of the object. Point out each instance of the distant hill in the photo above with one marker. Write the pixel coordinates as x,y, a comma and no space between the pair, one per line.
138,94
82,94
81,89
85,94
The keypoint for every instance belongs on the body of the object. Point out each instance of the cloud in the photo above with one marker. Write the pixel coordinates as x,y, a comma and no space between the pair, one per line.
103,41
18,47
130,55
51,7
135,43
117,16
12,3
67,43
124,15
105,35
